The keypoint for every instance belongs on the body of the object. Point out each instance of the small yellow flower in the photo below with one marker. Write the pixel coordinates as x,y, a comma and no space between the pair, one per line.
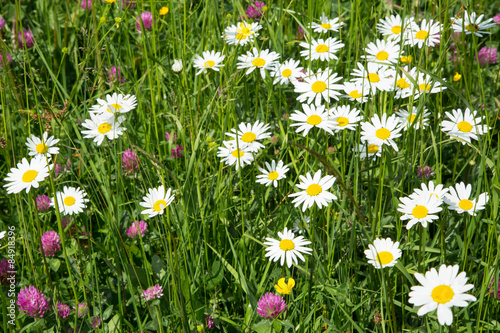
208,139
212,144
110,1
285,288
457,77
164,11
102,19
406,59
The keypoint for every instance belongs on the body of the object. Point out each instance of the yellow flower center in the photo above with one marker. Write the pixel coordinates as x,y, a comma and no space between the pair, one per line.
286,73
382,55
244,30
465,204
287,245
419,212
104,128
372,149
248,137
411,118
258,62
318,87
241,36
422,34
472,27
342,121
238,153
424,87
314,120
402,84
116,106
313,190
442,294
385,257
326,25
69,201
29,176
406,59
273,175
355,94
396,29
157,204
209,63
373,77
42,148
464,126
383,133
322,48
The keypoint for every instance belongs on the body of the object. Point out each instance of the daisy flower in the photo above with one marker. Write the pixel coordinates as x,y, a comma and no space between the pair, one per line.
27,174
404,83
419,208
427,34
318,86
441,291
314,190
231,154
287,72
313,116
119,103
427,86
262,60
323,50
367,150
44,146
272,174
410,120
464,126
431,190
70,201
326,24
381,131
242,33
288,248
248,135
157,200
382,51
392,26
374,76
209,59
344,118
473,25
383,253
103,126
458,199
301,224
357,91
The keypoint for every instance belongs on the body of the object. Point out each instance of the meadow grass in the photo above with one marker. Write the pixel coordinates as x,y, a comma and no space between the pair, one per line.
206,250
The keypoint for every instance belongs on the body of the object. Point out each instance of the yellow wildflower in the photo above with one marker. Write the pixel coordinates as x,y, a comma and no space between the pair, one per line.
457,77
406,59
285,288
164,11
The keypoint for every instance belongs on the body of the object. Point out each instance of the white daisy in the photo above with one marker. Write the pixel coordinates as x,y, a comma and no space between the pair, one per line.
375,76
157,200
313,116
427,34
367,150
441,291
102,126
392,26
288,248
273,173
410,120
356,91
326,24
27,174
248,135
209,59
119,103
2,234
323,50
177,65
458,199
381,131
301,224
70,201
426,85
262,60
231,154
287,72
383,253
464,126
45,146
344,118
473,25
404,86
242,33
382,51
439,191
314,191
419,208
318,86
